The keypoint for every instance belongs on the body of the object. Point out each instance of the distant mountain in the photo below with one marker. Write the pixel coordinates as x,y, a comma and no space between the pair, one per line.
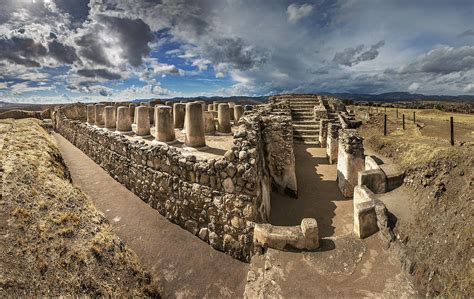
400,96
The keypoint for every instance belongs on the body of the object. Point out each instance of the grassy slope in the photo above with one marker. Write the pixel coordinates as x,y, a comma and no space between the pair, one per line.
54,240
440,241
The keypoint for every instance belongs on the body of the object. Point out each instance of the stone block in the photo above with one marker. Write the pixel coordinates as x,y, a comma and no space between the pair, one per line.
394,176
372,162
309,228
365,219
374,179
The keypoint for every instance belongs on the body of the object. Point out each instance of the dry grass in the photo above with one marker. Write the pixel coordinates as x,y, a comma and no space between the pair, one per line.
440,240
56,242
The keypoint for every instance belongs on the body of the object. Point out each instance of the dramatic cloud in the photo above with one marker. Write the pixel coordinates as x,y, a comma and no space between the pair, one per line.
91,49
297,12
443,60
468,32
353,56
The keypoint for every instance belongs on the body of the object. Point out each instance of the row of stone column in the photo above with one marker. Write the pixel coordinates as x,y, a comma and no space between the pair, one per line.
191,116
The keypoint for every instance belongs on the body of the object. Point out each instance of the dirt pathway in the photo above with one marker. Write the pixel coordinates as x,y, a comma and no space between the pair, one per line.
184,265
318,195
344,266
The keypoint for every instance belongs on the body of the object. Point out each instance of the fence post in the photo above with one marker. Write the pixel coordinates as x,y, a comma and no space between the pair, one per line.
451,124
403,121
397,111
414,117
385,125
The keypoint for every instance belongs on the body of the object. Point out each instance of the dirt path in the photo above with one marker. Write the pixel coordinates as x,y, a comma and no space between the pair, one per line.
318,195
184,265
344,266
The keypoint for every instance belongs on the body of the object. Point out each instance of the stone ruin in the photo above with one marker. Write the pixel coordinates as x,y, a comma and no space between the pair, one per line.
225,199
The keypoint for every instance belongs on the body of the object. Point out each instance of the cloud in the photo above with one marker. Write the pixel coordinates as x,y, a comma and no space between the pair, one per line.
115,42
413,87
442,60
297,12
469,32
351,57
98,73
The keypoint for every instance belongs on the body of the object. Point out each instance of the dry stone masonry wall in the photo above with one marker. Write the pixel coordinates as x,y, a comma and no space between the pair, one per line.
218,200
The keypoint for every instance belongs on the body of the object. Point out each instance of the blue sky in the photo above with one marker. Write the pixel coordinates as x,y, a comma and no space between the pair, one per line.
95,50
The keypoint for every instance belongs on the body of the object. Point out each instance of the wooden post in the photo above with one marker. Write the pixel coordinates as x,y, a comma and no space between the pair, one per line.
451,124
397,111
385,125
403,121
414,121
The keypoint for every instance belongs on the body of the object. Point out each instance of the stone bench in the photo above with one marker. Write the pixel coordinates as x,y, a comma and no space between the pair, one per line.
304,236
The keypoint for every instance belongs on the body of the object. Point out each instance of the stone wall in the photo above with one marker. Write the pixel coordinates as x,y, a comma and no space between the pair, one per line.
350,160
218,200
277,135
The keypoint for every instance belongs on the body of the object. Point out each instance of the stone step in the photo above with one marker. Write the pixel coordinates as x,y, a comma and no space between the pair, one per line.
304,112
309,105
306,127
315,143
305,131
302,119
309,138
306,123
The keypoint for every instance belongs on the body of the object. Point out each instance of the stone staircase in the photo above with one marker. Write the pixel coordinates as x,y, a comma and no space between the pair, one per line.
305,127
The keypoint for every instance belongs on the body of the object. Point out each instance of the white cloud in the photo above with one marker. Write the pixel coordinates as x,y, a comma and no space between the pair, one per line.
297,12
413,87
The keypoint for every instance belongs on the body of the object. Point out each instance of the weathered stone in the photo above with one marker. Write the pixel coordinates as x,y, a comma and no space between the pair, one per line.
194,125
191,226
223,125
228,185
164,129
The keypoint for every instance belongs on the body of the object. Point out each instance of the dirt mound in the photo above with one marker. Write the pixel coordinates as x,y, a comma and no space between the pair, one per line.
54,242
439,242
20,114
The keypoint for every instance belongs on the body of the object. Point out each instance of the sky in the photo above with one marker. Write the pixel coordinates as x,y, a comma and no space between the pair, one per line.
55,51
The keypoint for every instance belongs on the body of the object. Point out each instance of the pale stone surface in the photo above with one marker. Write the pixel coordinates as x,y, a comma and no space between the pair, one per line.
323,131
194,125
132,112
124,124
365,218
209,123
350,160
280,237
223,124
374,179
332,143
99,115
238,112
164,129
371,163
179,110
143,120
110,121
90,114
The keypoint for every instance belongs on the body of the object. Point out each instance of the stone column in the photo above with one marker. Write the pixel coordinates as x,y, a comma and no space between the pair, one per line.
215,106
110,121
151,115
164,129
209,123
350,160
124,124
143,120
179,109
131,108
99,115
90,114
223,116
194,125
323,131
210,107
332,142
231,112
238,112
